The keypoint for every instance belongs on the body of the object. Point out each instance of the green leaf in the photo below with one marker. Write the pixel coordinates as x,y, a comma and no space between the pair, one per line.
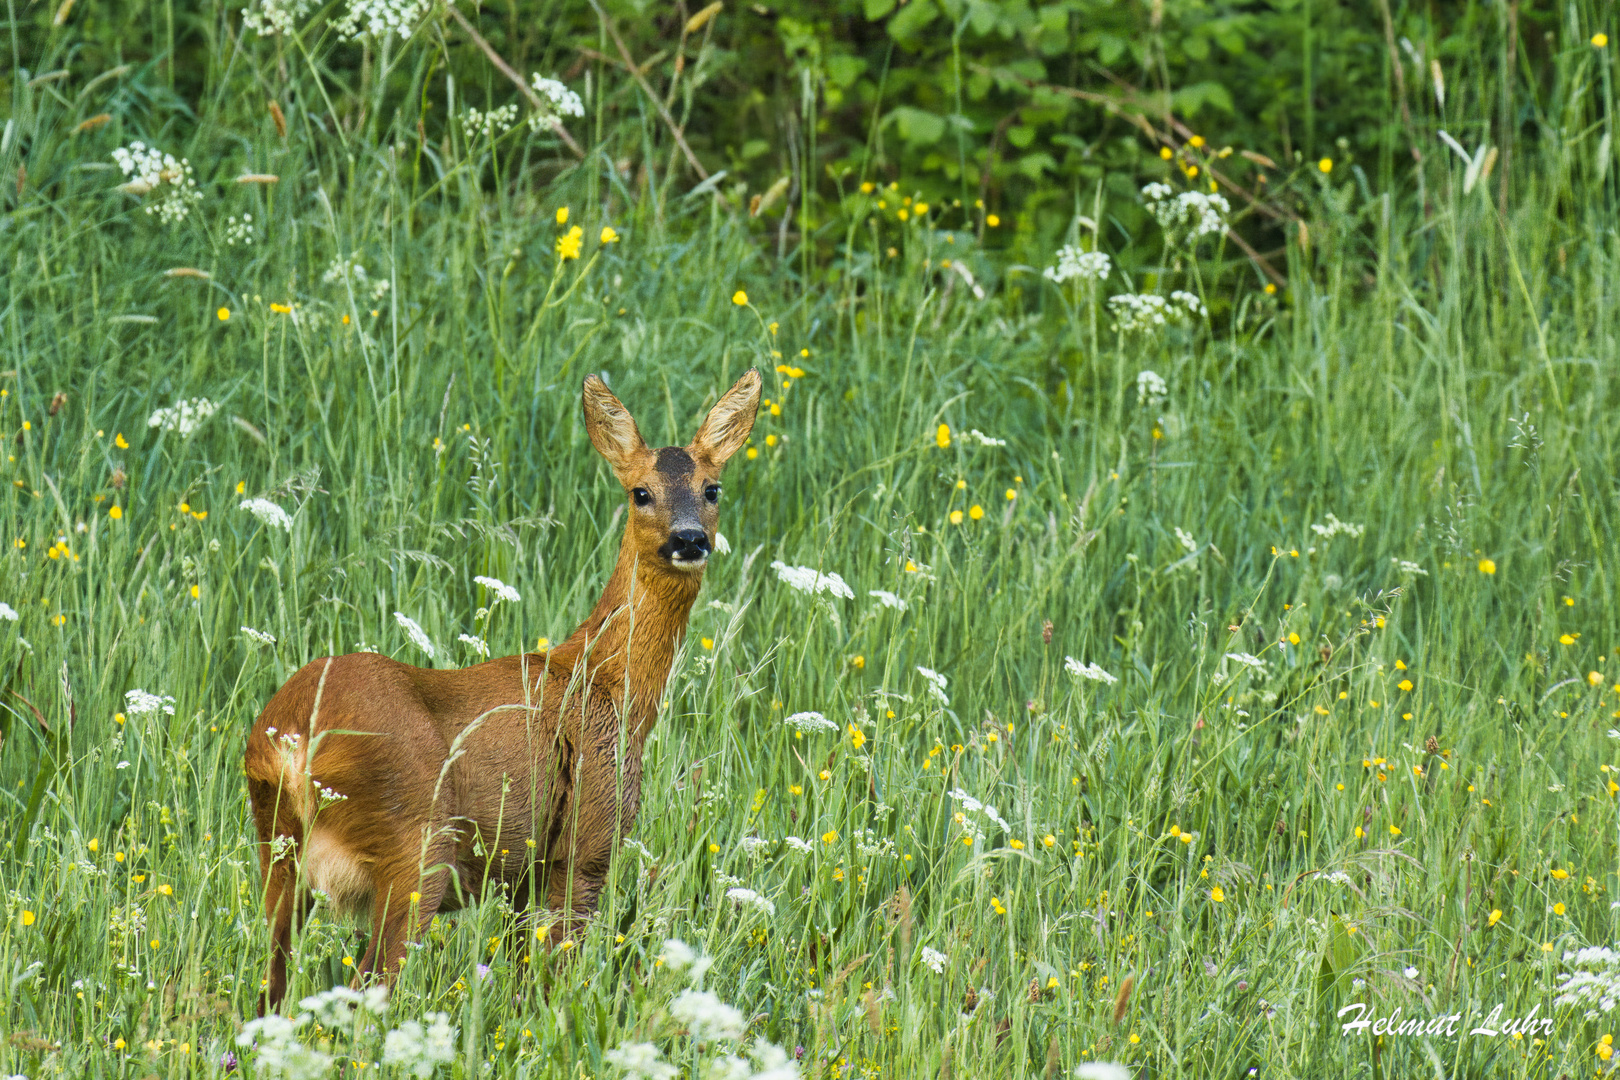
912,18
1021,135
1189,100
916,126
1034,165
876,9
842,69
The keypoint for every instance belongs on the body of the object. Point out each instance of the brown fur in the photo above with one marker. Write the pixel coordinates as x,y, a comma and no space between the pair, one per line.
523,771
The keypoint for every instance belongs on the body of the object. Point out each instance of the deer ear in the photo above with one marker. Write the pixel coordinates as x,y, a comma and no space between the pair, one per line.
612,429
726,427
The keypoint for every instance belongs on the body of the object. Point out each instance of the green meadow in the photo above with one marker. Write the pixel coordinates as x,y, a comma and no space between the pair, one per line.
1190,668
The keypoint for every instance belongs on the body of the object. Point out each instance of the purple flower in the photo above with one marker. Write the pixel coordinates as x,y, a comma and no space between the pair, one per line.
483,971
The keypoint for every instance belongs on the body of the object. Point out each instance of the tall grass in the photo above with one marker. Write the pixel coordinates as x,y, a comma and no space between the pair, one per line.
1250,848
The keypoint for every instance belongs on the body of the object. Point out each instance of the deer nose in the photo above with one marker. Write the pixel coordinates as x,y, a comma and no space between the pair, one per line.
689,544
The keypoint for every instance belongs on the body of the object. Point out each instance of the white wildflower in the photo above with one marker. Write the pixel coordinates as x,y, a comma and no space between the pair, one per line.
380,18
417,634
727,1067
152,170
478,644
1195,306
1410,972
1134,312
935,960
336,1007
1151,388
936,685
1247,659
1186,540
501,590
183,417
810,721
678,955
809,580
773,1063
1101,1070
753,846
1192,214
277,1052
7,612
984,440
1408,567
275,16
1594,982
971,805
487,125
1334,527
258,637
1076,264
1088,671
706,1016
722,546
888,599
803,847
640,1061
140,703
267,512
421,1050
239,231
751,899
556,102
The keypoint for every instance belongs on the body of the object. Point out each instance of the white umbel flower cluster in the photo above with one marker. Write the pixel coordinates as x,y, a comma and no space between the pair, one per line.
556,102
1090,672
1139,312
936,685
807,579
151,170
350,272
380,18
141,703
418,1049
1192,213
275,16
487,125
183,416
414,630
810,721
1595,982
267,512
1151,388
1075,264
1334,527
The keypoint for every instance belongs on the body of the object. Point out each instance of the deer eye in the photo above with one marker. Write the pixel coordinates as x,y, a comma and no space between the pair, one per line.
642,496
712,493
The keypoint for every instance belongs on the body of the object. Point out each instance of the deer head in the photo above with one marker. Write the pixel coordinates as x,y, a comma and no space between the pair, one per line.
674,491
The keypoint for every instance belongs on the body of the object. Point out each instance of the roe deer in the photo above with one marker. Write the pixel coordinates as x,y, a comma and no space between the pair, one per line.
400,791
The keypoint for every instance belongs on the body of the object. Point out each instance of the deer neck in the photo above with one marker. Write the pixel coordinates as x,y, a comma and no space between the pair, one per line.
629,639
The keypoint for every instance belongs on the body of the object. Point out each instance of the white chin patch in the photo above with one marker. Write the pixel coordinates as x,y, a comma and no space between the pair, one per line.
688,564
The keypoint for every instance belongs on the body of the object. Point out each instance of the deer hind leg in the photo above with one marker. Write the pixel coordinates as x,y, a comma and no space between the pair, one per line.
285,903
410,889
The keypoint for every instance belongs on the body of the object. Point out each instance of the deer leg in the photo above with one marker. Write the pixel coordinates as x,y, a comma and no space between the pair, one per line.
408,895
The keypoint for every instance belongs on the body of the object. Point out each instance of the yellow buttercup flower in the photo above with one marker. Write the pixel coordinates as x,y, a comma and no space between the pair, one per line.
943,436
739,298
224,314
1326,165
1600,41
1217,895
568,244
562,215
1487,566
609,236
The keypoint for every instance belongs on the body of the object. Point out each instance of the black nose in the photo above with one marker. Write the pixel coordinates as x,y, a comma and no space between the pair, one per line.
689,544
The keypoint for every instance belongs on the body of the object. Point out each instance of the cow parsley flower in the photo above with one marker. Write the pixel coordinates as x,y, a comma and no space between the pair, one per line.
184,416
380,18
1151,388
140,703
275,16
802,846
1195,307
1184,538
1334,527
640,1062
810,721
1192,214
7,612
501,590
267,512
984,440
478,644
556,101
971,805
809,580
888,599
935,960
1595,980
487,125
1076,264
421,1050
1088,671
706,1016
936,685
1248,660
258,637
151,170
415,631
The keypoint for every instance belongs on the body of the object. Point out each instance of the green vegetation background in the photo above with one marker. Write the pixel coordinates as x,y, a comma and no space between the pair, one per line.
1434,363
